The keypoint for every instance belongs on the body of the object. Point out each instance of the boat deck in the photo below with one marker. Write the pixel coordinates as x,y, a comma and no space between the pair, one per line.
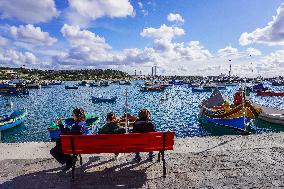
271,115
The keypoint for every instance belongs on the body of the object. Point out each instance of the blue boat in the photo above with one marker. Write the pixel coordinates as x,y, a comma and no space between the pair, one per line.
71,87
13,89
201,89
91,121
176,82
12,120
102,99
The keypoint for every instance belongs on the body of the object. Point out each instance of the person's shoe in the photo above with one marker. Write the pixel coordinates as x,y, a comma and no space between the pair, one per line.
150,158
137,159
66,168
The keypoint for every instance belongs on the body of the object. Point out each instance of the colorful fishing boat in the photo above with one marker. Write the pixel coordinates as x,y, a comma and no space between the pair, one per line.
102,99
13,119
219,111
91,120
270,93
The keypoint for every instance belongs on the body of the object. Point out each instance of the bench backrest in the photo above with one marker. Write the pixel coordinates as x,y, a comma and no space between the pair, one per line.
117,143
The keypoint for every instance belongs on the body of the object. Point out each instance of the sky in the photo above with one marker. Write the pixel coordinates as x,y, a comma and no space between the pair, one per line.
180,37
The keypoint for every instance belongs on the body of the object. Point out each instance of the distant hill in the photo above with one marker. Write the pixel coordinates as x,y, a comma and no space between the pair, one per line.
66,75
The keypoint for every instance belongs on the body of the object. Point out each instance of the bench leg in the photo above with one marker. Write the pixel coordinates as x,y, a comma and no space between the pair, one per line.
81,161
73,166
159,156
164,164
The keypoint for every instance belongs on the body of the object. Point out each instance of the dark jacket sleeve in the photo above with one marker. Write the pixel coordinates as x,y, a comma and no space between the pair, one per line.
144,127
64,130
111,128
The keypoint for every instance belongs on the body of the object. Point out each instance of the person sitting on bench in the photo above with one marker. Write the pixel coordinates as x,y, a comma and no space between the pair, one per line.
77,128
111,127
143,124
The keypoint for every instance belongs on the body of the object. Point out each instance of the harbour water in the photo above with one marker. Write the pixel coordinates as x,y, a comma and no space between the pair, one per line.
174,109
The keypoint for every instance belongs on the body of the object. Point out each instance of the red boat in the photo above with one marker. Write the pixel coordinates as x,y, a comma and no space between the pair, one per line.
269,93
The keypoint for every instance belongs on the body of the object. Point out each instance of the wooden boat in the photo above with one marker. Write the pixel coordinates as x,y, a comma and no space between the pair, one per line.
12,120
71,87
218,111
201,89
91,120
176,82
269,93
124,82
94,84
54,82
102,99
131,120
152,88
272,115
33,86
104,83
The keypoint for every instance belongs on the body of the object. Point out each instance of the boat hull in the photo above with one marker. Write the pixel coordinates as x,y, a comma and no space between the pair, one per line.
236,123
13,123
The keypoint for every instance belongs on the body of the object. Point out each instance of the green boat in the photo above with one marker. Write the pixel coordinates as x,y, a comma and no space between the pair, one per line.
91,120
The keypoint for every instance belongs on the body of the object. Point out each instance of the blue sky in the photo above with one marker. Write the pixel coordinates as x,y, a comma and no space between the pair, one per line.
181,37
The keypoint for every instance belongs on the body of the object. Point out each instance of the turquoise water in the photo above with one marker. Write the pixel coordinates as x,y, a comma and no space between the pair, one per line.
178,112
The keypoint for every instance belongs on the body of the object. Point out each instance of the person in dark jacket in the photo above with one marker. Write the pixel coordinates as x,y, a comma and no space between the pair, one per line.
111,127
144,124
77,128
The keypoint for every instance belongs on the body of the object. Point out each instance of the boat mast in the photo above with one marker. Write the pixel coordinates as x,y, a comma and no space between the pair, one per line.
126,109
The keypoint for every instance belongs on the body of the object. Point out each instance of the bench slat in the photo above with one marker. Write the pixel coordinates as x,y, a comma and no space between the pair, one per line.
117,143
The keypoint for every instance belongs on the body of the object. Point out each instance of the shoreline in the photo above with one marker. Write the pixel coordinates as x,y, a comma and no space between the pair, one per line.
206,162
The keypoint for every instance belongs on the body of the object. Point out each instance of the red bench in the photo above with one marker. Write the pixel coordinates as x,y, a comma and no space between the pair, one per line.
117,143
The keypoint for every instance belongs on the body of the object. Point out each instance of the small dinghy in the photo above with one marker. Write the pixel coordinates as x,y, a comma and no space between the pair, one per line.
102,99
71,87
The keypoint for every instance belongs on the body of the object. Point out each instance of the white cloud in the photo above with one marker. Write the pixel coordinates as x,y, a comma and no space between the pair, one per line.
12,57
3,41
32,35
83,11
175,18
272,34
253,51
28,11
228,51
164,32
276,57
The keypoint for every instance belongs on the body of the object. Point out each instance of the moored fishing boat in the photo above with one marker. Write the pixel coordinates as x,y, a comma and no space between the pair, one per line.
13,119
151,87
124,82
11,88
91,121
219,111
71,87
101,99
201,89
